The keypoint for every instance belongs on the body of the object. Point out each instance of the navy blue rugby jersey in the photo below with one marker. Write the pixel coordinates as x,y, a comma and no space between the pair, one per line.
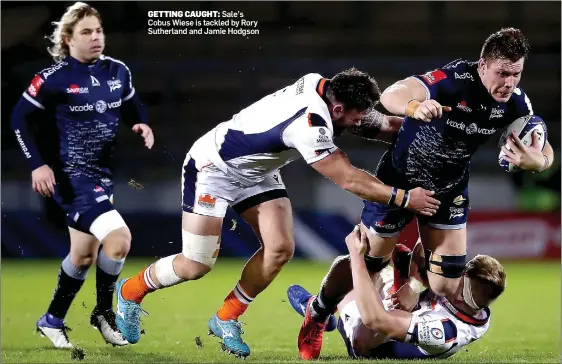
436,155
86,103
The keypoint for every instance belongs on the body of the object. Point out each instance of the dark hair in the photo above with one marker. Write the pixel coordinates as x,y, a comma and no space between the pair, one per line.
355,89
508,43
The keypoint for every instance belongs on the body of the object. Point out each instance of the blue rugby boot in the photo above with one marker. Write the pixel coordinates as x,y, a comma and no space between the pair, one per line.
298,298
128,316
230,332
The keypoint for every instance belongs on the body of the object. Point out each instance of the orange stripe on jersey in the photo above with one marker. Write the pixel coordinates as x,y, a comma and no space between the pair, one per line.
320,88
309,121
450,340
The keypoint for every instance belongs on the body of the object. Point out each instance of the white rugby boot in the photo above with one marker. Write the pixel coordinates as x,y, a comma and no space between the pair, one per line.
55,330
104,321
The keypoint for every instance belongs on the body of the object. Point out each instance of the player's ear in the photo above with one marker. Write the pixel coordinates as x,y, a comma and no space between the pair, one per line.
66,39
338,110
482,64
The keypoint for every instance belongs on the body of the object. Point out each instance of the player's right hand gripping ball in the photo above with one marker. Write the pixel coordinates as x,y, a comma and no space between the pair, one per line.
524,128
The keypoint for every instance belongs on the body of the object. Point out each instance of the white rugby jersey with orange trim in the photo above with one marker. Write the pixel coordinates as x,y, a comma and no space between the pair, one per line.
437,329
272,132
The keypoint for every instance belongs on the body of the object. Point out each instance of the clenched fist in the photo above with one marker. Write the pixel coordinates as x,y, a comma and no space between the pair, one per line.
426,110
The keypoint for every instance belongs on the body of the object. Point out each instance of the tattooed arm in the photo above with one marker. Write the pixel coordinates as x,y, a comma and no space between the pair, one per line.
377,126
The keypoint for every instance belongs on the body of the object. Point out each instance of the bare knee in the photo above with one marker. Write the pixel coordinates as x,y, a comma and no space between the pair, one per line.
280,253
83,260
116,244
188,269
83,248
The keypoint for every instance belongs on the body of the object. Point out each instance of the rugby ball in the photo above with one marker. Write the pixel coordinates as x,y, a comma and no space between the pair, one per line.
524,128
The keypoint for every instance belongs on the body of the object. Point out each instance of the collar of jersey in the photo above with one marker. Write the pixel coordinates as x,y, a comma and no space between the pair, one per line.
83,66
321,88
465,317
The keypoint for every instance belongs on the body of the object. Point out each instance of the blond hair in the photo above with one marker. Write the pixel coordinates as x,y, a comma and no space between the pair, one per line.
65,27
487,277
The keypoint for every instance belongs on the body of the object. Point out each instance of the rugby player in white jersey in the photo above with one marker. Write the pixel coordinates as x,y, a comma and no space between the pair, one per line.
378,324
237,163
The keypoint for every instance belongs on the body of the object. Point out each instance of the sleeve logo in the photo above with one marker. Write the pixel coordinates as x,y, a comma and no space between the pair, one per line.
36,83
433,77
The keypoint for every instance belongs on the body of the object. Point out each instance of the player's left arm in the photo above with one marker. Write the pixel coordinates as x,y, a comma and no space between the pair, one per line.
134,111
393,324
378,126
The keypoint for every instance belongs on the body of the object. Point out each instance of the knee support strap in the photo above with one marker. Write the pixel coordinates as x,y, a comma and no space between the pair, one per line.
201,249
165,273
106,223
448,266
376,264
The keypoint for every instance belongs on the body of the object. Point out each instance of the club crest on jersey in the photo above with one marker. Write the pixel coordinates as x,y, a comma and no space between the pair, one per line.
36,83
462,105
496,113
114,85
207,201
435,76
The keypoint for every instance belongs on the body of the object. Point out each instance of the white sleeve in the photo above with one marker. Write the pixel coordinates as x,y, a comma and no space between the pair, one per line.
310,135
434,334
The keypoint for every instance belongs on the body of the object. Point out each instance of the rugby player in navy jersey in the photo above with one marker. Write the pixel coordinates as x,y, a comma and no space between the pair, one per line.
449,113
83,97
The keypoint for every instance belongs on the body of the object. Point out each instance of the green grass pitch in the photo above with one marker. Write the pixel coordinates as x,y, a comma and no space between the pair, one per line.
525,320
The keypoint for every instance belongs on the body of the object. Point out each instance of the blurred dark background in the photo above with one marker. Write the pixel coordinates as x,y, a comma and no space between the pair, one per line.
191,83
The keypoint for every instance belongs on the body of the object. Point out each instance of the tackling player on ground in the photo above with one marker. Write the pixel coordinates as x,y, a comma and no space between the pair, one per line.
83,97
450,112
385,317
237,163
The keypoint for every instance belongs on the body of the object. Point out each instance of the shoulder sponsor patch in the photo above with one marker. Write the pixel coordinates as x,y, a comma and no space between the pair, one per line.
35,85
433,77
